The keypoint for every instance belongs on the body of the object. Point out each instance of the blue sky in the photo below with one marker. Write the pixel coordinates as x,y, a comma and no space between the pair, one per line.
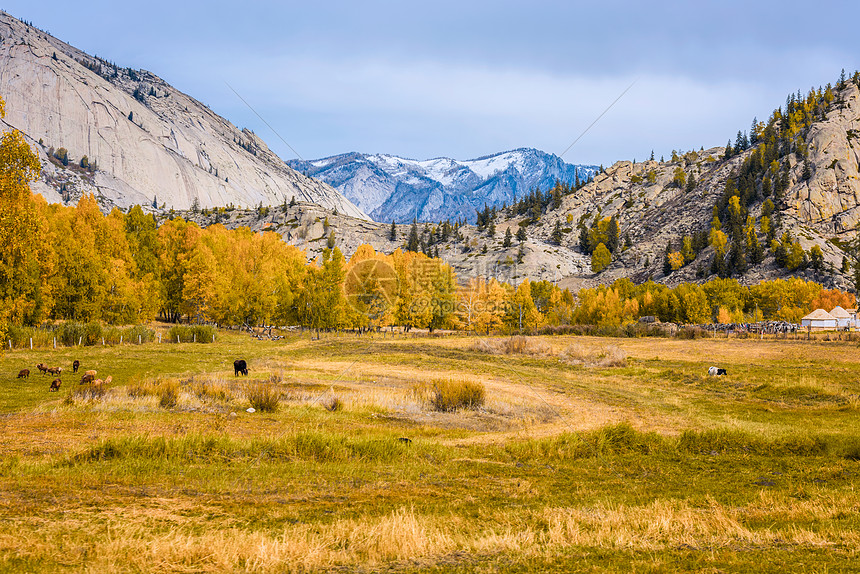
465,79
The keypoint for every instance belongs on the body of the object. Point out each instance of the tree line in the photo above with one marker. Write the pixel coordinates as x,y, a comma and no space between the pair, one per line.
75,263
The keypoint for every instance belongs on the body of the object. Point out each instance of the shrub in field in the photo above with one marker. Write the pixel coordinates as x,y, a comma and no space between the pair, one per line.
70,333
517,345
448,395
264,397
611,356
169,395
88,393
20,336
333,404
191,333
215,389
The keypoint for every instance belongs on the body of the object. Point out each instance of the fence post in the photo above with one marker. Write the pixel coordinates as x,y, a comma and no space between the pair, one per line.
177,339
120,339
31,343
195,337
213,337
139,340
159,337
55,342
10,344
103,341
80,340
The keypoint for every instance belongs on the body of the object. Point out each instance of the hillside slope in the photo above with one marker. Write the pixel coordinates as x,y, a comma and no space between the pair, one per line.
149,142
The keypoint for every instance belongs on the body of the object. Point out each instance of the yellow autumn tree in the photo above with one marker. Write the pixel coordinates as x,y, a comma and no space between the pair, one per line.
601,258
26,257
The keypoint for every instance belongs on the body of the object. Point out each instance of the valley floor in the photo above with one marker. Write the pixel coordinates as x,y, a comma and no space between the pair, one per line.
589,454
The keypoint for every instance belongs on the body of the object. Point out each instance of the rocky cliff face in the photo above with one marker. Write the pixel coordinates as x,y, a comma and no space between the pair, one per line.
392,188
151,143
830,200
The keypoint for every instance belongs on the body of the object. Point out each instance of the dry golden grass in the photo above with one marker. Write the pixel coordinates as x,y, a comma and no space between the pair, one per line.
608,356
403,534
516,345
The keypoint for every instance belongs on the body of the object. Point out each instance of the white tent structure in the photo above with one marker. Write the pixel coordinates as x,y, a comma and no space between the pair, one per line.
819,319
843,317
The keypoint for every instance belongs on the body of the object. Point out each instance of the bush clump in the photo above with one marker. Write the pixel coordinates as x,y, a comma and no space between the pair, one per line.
610,356
169,395
191,333
516,345
449,396
333,405
264,397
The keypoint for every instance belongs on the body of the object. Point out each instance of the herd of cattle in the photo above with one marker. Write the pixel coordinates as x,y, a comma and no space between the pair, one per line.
88,377
240,367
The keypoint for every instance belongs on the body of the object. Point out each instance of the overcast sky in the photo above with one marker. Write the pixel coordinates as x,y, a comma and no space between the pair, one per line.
465,79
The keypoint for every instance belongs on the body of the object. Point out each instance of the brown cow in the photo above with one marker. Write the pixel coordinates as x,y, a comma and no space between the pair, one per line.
55,385
24,374
43,368
108,380
92,372
75,366
87,378
55,370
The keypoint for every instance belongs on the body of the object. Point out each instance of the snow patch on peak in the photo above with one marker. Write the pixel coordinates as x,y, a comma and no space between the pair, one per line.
390,187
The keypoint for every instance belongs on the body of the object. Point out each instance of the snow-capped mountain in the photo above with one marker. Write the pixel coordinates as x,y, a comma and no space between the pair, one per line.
391,188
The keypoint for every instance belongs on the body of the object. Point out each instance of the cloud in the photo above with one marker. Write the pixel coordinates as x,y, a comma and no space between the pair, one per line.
464,110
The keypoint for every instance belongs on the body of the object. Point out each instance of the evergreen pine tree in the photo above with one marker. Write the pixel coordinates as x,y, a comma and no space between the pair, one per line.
584,239
508,238
613,233
392,233
557,234
413,243
521,234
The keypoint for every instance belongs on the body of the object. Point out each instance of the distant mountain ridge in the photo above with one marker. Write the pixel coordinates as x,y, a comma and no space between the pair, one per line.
145,142
392,188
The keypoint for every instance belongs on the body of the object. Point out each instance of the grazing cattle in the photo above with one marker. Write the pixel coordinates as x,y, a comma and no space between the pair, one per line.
108,379
716,371
24,374
240,366
92,372
43,368
75,366
87,378
55,370
55,385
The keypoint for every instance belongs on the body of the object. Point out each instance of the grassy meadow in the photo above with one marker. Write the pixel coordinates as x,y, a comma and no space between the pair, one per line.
586,454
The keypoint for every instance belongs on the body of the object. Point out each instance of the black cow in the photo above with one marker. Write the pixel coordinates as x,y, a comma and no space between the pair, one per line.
75,366
240,366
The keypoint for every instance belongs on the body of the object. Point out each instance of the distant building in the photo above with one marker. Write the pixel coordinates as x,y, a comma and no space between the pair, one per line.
844,319
819,319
